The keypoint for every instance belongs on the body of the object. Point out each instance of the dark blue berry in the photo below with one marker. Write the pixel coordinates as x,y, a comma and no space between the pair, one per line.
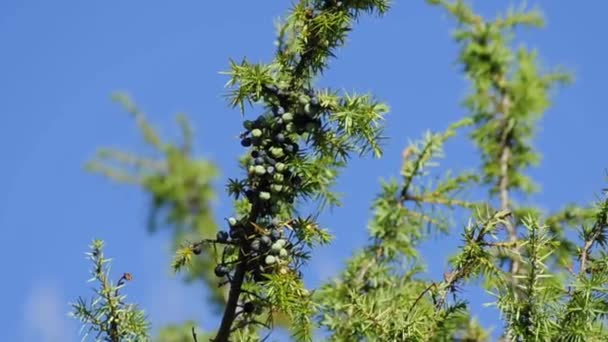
292,148
197,249
255,154
259,122
280,138
265,240
272,88
270,161
222,236
248,124
255,245
246,142
279,111
259,277
249,307
221,270
235,233
259,161
275,234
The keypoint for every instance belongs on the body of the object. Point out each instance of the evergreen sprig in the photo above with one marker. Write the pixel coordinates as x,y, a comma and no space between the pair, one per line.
295,149
107,316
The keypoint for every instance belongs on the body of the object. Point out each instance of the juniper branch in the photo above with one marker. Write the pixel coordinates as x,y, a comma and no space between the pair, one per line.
598,229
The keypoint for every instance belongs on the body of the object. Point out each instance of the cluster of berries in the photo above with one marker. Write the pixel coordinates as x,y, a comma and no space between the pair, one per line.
272,139
266,251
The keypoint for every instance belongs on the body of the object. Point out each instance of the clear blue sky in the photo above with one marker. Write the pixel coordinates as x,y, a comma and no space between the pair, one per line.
60,60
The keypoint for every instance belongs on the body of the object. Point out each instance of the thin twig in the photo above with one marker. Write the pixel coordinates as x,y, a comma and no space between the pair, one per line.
194,335
427,289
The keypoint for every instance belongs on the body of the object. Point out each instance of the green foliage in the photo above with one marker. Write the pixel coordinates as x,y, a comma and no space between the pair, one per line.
547,285
107,317
180,188
509,93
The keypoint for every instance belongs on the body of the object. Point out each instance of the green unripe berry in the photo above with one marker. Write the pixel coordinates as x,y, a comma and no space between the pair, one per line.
277,152
275,248
304,99
283,253
232,221
270,259
308,109
277,177
276,188
264,196
290,127
280,167
259,169
287,117
281,243
251,169
256,133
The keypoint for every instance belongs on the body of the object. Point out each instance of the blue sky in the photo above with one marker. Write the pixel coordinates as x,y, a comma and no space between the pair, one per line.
60,60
